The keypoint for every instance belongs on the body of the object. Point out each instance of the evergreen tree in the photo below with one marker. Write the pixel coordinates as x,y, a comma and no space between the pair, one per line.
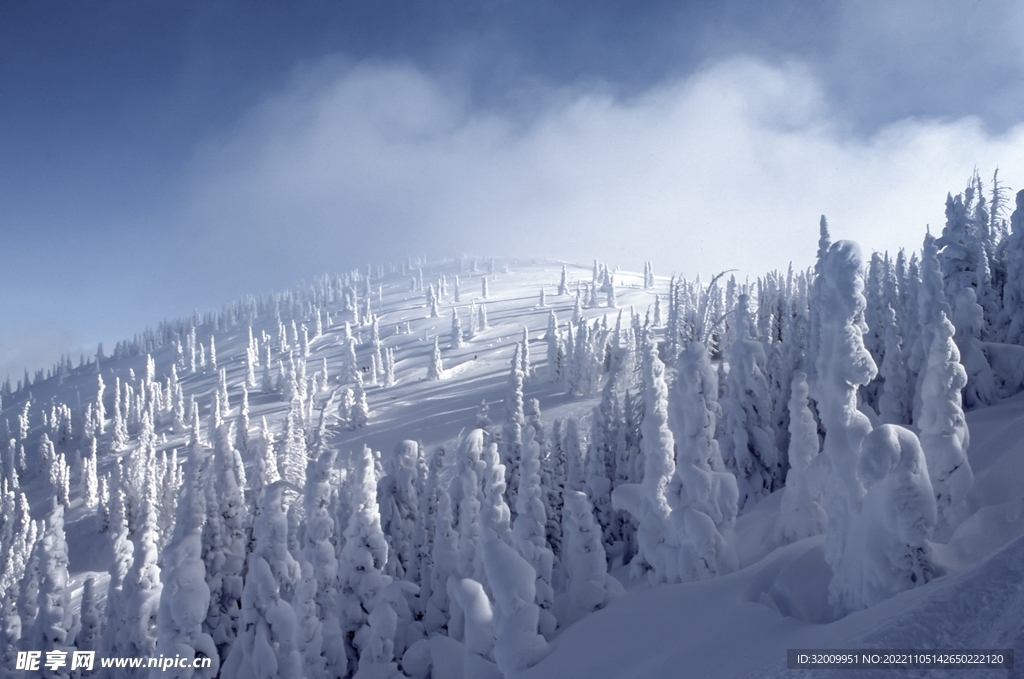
293,456
398,499
360,412
142,589
589,587
319,539
363,556
529,531
268,639
802,513
517,643
944,433
748,443
53,625
185,597
435,371
894,403
456,342
225,538
658,547
703,496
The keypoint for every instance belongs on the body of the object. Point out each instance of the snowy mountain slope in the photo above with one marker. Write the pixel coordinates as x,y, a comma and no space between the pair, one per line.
728,624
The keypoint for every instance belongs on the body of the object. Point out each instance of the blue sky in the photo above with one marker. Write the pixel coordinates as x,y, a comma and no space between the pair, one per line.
157,157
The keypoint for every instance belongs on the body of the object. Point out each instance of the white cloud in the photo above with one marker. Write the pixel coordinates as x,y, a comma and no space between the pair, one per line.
728,168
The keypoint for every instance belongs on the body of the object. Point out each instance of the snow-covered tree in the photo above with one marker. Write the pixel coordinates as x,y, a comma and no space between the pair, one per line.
658,547
359,415
309,631
52,628
444,563
529,530
349,365
517,643
1011,315
589,587
364,555
703,496
318,552
398,499
225,538
91,618
494,510
114,640
843,365
185,597
268,640
435,371
554,344
142,589
90,482
471,598
894,403
932,306
802,513
969,320
293,456
944,433
456,342
748,441
887,549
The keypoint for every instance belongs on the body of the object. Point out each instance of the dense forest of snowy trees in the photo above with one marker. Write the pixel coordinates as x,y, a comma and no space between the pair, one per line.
267,548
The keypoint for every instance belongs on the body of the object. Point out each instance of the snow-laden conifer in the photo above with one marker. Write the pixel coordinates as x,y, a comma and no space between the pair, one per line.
589,587
703,495
142,589
894,403
309,631
364,554
748,441
494,510
349,366
529,531
969,321
293,457
225,538
185,598
944,433
53,625
268,639
398,498
802,513
932,306
444,558
114,635
435,371
658,547
518,645
91,618
887,549
456,341
1011,315
843,365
